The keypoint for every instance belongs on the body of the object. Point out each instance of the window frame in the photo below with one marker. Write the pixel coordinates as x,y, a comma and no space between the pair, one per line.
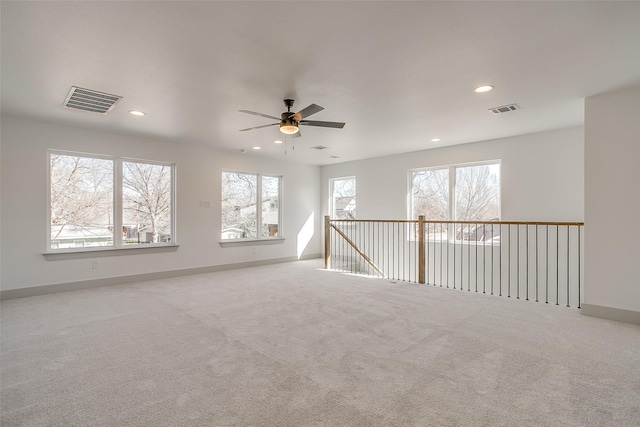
332,207
452,186
117,203
259,239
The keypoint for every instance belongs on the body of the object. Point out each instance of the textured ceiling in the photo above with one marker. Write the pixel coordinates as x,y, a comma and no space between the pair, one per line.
398,73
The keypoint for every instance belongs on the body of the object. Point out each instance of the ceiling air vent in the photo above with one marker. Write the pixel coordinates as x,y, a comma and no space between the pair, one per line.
90,100
504,109
318,147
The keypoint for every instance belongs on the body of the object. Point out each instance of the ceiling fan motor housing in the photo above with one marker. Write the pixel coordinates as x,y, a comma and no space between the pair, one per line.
286,116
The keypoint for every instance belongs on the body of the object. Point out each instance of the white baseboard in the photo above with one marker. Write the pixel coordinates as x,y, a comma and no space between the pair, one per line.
617,314
121,280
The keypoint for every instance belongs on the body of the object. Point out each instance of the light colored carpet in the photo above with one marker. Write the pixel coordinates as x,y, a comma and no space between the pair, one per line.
293,345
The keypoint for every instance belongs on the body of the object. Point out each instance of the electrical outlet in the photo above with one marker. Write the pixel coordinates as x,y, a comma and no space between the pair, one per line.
95,264
253,251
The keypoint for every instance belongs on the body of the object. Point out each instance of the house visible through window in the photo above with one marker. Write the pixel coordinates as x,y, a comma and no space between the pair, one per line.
343,198
84,195
250,206
474,190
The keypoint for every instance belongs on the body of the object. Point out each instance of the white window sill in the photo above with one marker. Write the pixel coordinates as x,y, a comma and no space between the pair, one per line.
100,252
251,242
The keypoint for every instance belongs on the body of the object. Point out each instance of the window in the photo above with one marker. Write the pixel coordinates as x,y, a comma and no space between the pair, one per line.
84,193
474,189
250,206
343,198
477,193
430,194
146,202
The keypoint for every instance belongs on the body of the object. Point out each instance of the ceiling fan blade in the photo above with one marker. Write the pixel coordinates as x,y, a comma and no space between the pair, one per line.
336,125
307,111
258,127
259,114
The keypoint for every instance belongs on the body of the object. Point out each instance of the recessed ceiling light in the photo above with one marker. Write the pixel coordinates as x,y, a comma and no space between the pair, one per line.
483,89
257,148
278,142
435,140
137,113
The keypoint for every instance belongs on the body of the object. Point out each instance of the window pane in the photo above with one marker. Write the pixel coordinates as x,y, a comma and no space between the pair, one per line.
270,206
478,193
146,203
430,194
343,198
81,202
239,201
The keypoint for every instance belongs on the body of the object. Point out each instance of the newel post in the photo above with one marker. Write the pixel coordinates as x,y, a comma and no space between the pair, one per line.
327,243
421,260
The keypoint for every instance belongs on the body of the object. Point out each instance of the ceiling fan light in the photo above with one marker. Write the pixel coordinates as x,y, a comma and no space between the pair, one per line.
288,128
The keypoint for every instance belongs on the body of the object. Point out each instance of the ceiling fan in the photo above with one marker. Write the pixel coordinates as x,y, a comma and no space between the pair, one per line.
289,121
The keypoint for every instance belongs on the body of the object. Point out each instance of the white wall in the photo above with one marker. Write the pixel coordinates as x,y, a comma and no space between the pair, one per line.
612,202
542,176
24,194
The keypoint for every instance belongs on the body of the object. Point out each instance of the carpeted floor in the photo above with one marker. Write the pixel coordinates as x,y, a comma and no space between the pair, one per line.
293,345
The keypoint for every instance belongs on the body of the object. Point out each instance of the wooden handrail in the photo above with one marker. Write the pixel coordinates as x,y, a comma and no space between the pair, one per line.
429,221
374,220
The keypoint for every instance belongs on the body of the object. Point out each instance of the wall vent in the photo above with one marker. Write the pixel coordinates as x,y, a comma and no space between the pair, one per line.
90,100
504,109
318,147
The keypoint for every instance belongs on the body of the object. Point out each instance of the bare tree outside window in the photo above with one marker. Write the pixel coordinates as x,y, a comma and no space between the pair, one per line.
476,197
82,194
239,200
81,201
250,206
477,193
430,194
146,198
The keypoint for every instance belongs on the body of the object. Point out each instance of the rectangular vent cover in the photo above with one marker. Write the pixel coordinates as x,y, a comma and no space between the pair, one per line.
504,109
318,147
90,100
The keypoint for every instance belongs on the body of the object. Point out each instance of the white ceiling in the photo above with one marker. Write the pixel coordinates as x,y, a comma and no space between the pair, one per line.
398,73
